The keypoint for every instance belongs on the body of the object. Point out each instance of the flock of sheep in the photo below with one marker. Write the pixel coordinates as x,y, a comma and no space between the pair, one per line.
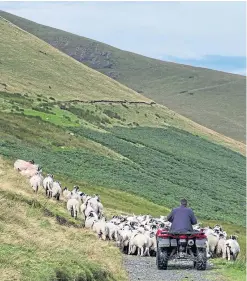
133,234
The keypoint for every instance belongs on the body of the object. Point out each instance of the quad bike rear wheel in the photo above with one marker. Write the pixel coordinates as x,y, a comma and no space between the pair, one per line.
162,258
201,260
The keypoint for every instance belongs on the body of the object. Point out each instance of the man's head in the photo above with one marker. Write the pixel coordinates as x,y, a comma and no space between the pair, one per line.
183,202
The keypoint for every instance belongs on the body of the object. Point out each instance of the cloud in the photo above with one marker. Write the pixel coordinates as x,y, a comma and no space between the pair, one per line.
183,30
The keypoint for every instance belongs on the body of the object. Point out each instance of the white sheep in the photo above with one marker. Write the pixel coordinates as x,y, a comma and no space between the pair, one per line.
29,172
90,220
122,237
232,248
100,228
36,181
67,194
21,165
73,207
111,229
221,246
138,241
48,183
213,239
56,190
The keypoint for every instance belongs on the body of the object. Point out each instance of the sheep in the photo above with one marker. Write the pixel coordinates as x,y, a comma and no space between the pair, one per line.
48,183
100,228
111,230
213,239
36,181
30,172
138,241
91,204
90,220
73,207
153,244
221,246
21,165
76,194
232,248
56,190
66,194
122,238
217,228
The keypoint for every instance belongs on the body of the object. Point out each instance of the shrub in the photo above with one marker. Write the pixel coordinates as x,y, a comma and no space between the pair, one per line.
112,114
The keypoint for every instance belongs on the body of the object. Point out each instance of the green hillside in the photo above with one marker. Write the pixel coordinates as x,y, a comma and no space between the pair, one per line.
211,98
31,66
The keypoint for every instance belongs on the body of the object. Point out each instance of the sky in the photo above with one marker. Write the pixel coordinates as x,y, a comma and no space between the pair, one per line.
205,34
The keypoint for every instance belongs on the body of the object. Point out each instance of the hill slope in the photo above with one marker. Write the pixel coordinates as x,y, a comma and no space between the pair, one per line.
31,66
211,98
144,149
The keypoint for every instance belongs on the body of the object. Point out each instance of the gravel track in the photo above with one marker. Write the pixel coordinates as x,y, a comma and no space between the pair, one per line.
144,269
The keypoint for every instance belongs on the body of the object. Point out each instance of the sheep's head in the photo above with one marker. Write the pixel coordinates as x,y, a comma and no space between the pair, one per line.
233,237
221,236
65,188
217,229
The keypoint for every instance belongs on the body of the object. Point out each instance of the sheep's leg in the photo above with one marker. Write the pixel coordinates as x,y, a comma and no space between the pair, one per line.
228,254
147,252
138,252
142,251
129,250
224,252
111,236
72,212
103,236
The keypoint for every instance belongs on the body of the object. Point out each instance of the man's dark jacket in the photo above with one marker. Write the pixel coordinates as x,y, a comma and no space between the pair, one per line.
182,219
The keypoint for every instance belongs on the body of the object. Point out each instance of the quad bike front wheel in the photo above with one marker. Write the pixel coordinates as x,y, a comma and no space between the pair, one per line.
162,258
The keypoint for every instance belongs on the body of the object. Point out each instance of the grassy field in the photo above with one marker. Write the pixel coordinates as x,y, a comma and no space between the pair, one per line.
211,98
161,163
42,69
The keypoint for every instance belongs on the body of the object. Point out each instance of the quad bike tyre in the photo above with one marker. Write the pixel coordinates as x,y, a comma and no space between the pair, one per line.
201,260
162,259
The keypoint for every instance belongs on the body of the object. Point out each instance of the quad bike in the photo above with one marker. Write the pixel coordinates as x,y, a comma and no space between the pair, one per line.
181,246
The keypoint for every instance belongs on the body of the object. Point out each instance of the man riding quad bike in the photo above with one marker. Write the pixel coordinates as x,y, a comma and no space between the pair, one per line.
181,241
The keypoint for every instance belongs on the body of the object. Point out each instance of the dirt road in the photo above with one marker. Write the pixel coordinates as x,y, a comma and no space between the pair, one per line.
144,269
